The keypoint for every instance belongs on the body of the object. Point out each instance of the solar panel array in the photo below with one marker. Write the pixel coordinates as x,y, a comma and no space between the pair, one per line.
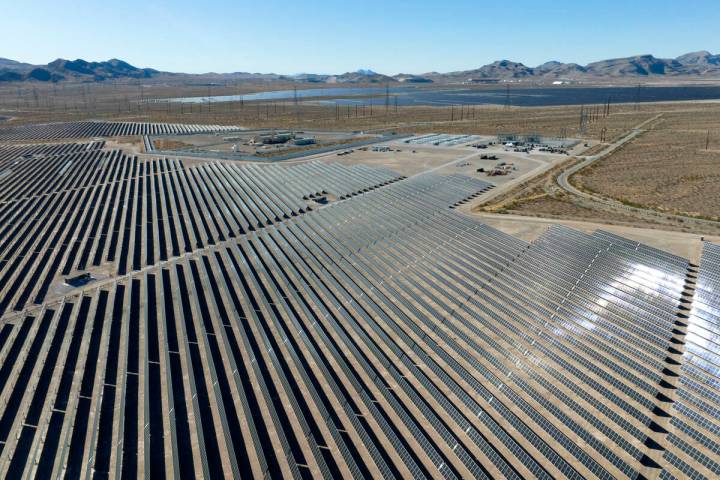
695,425
13,154
244,329
104,209
52,131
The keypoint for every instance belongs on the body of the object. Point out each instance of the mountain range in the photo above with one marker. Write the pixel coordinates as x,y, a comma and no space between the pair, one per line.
61,69
695,65
701,64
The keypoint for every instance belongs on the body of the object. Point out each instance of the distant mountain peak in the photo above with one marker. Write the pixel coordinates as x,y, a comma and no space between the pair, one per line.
703,58
698,54
549,64
361,76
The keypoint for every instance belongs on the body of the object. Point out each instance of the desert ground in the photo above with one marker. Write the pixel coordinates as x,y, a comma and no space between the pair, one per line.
668,168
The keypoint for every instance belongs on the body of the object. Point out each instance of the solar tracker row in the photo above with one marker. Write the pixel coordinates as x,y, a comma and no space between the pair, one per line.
103,209
51,131
12,155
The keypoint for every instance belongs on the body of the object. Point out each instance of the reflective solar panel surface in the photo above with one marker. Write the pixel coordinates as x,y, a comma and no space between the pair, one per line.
236,328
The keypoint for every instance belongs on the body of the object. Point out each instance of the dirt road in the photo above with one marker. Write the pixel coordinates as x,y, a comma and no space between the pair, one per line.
595,201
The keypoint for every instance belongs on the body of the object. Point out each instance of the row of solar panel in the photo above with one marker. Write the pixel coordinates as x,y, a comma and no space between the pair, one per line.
52,131
159,211
46,175
11,155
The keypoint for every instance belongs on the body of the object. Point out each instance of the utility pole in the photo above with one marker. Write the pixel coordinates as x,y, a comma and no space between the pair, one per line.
707,140
507,96
387,97
295,99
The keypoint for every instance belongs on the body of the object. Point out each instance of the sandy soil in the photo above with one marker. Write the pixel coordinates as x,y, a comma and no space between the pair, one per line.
666,168
127,144
401,159
408,159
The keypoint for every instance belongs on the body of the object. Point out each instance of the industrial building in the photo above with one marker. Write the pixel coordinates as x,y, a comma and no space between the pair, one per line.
272,138
301,141
522,139
231,327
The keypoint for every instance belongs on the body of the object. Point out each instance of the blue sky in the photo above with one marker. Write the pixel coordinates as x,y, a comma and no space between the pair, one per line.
286,36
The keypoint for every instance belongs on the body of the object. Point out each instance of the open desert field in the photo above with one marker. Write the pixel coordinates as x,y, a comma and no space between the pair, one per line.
667,168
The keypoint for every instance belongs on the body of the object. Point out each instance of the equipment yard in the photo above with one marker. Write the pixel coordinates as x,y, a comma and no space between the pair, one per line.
166,312
256,145
412,158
